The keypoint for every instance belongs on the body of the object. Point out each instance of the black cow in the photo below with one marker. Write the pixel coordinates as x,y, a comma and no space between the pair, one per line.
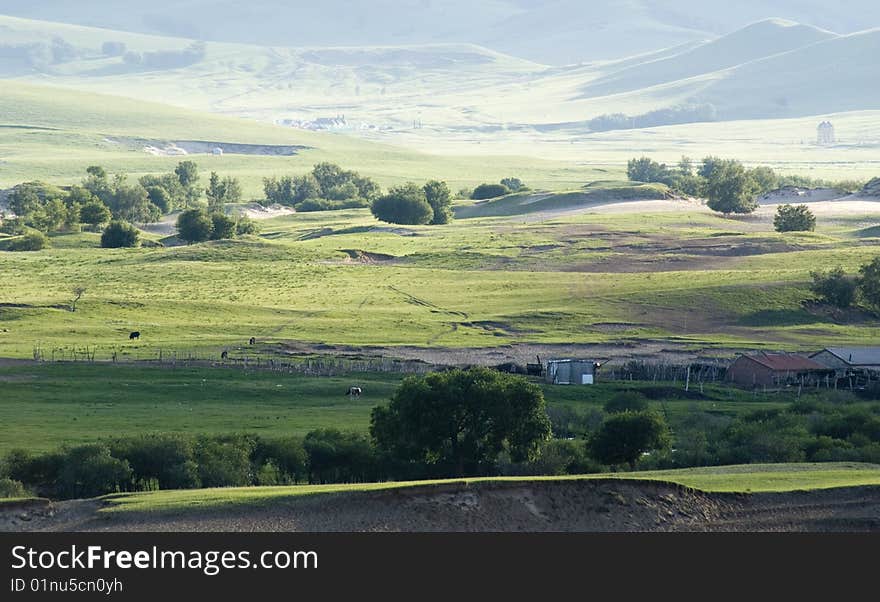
224,355
253,341
135,335
354,391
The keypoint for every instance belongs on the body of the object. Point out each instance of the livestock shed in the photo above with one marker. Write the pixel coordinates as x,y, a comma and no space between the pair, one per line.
571,371
861,363
776,370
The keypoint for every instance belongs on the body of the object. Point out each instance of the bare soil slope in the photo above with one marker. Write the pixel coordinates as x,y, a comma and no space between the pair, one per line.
593,505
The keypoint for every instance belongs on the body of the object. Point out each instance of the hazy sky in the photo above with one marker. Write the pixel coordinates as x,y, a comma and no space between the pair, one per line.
550,31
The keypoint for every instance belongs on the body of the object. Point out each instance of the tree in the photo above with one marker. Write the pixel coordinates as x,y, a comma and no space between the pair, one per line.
439,197
94,213
869,283
834,287
404,204
459,421
513,184
794,218
686,166
489,191
131,203
223,226
188,175
624,437
78,292
119,234
731,189
194,225
220,192
765,179
645,169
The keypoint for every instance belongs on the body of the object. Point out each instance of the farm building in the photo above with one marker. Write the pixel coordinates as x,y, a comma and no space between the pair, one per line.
571,372
863,363
775,370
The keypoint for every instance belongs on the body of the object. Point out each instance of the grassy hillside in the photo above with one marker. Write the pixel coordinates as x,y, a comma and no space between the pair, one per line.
637,271
54,134
752,478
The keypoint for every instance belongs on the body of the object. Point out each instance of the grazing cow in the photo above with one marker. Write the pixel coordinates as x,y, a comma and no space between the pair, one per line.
224,355
354,391
135,335
253,341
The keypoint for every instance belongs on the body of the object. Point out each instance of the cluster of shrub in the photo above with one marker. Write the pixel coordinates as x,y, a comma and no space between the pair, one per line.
161,59
730,187
112,204
691,113
839,289
326,187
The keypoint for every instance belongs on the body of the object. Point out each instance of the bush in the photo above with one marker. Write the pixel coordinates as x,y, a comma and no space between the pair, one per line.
489,191
730,188
223,226
32,241
194,225
624,437
246,225
90,470
94,213
513,184
403,205
167,459
12,489
119,234
224,461
628,401
439,197
869,283
834,287
794,218
337,457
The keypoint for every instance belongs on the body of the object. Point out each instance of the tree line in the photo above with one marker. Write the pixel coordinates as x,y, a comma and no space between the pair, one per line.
474,422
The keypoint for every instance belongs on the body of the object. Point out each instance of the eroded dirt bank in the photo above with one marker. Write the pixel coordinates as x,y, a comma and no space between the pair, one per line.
595,505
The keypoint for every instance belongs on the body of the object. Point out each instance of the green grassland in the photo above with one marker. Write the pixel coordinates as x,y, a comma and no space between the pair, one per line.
45,406
685,276
54,133
752,478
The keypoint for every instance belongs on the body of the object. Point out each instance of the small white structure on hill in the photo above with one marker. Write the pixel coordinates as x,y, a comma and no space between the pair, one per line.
825,134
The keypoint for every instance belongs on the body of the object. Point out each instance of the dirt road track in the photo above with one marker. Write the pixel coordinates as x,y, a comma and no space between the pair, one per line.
596,505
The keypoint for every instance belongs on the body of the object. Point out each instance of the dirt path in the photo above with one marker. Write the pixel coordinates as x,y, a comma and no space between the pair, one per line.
598,505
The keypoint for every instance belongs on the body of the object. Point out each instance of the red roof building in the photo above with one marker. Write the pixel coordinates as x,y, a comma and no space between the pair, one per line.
775,370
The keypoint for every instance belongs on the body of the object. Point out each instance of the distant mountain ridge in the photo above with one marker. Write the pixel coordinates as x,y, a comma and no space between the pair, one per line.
554,32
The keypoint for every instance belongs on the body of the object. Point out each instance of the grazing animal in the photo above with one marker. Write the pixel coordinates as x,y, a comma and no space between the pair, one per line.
135,335
354,391
224,355
253,341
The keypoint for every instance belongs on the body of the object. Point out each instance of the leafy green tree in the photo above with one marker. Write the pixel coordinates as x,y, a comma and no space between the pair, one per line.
834,287
223,226
131,203
188,175
90,470
405,204
765,179
794,218
869,283
119,234
439,197
194,225
646,169
686,166
222,191
489,191
624,437
513,184
160,197
731,189
246,225
338,457
459,421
